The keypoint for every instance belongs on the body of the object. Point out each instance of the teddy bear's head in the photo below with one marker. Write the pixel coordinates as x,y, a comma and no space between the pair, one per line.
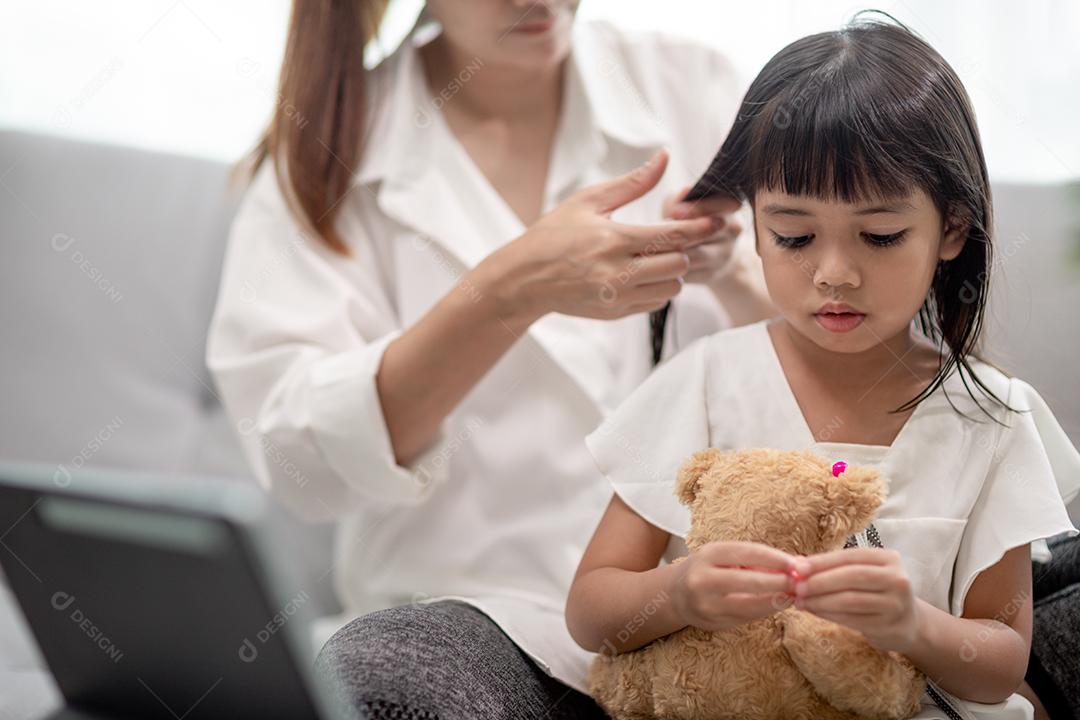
787,499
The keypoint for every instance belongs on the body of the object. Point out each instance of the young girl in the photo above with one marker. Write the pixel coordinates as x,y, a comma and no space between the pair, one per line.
859,155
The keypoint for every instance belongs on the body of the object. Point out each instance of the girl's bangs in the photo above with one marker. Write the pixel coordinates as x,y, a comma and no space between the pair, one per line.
831,143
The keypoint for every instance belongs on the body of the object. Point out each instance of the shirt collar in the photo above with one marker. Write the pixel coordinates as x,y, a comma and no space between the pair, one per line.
601,97
615,103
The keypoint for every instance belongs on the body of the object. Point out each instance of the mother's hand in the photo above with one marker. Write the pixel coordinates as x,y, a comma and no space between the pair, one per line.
715,258
576,260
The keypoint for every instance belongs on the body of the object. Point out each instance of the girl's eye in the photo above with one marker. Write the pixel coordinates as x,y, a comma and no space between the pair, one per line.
885,240
791,242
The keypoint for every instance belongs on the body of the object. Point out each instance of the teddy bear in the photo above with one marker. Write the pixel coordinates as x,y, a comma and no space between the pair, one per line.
791,664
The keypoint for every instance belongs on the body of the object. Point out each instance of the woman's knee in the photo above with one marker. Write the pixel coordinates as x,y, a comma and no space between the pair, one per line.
387,641
420,661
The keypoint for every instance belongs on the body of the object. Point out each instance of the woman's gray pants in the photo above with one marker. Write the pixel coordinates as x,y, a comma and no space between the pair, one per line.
444,660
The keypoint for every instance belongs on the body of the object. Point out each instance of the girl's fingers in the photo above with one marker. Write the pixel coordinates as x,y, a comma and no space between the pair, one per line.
850,602
855,622
852,556
734,580
748,607
748,554
848,577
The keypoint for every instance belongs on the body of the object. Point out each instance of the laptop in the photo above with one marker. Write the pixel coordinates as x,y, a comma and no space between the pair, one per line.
155,597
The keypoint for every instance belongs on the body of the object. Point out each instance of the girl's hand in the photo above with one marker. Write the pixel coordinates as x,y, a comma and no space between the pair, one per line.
723,584
715,259
865,589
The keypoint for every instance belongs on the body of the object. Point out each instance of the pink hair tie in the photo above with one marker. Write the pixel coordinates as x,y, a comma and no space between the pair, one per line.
838,467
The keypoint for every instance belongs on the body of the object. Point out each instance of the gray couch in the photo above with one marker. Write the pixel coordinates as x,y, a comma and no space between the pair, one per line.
108,279
110,268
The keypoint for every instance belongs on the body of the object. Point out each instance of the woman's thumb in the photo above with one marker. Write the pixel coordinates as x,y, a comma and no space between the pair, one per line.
613,194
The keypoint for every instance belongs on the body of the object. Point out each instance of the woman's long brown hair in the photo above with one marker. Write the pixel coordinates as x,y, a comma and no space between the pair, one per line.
316,134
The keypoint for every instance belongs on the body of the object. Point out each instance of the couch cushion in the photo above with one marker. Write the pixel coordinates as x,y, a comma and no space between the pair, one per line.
111,264
112,259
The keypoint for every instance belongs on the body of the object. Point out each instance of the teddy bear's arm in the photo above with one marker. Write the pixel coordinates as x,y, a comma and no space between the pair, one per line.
622,684
847,671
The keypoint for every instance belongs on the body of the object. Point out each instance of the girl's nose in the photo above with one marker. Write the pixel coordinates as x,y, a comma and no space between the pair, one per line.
836,269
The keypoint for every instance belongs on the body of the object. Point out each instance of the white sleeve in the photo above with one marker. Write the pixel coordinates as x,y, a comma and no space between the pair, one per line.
294,346
641,445
1034,472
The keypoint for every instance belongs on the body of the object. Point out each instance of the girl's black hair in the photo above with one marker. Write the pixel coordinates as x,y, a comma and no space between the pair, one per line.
868,112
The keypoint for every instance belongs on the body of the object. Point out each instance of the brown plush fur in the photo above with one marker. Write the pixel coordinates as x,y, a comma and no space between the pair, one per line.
787,666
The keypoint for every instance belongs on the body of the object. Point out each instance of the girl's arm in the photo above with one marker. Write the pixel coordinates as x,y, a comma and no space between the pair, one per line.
980,656
620,600
983,654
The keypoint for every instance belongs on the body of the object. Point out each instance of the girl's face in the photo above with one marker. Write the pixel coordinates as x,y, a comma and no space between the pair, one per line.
523,33
877,258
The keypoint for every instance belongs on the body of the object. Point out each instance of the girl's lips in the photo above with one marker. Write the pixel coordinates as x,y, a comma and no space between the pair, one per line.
839,322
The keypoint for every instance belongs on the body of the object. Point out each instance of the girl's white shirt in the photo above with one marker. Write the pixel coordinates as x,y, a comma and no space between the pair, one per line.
961,492
498,509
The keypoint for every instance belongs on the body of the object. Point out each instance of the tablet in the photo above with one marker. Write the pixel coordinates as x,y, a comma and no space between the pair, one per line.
156,596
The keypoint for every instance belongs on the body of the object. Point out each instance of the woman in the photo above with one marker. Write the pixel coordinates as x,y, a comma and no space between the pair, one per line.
434,299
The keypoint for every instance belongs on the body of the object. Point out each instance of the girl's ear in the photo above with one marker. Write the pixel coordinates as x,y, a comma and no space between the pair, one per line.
952,242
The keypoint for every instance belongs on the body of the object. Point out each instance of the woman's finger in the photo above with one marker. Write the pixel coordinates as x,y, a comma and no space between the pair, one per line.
608,196
635,308
699,257
664,237
671,200
649,293
646,269
711,255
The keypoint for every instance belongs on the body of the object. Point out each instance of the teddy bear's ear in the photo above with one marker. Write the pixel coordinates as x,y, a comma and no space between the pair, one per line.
854,498
689,477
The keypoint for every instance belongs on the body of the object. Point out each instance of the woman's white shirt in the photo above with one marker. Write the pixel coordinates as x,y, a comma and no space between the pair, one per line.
499,507
961,491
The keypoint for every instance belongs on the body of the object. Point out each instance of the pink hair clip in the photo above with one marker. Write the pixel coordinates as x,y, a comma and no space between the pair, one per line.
838,467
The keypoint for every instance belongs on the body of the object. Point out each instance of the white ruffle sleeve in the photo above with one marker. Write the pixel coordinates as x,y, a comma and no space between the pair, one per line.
640,446
1034,473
